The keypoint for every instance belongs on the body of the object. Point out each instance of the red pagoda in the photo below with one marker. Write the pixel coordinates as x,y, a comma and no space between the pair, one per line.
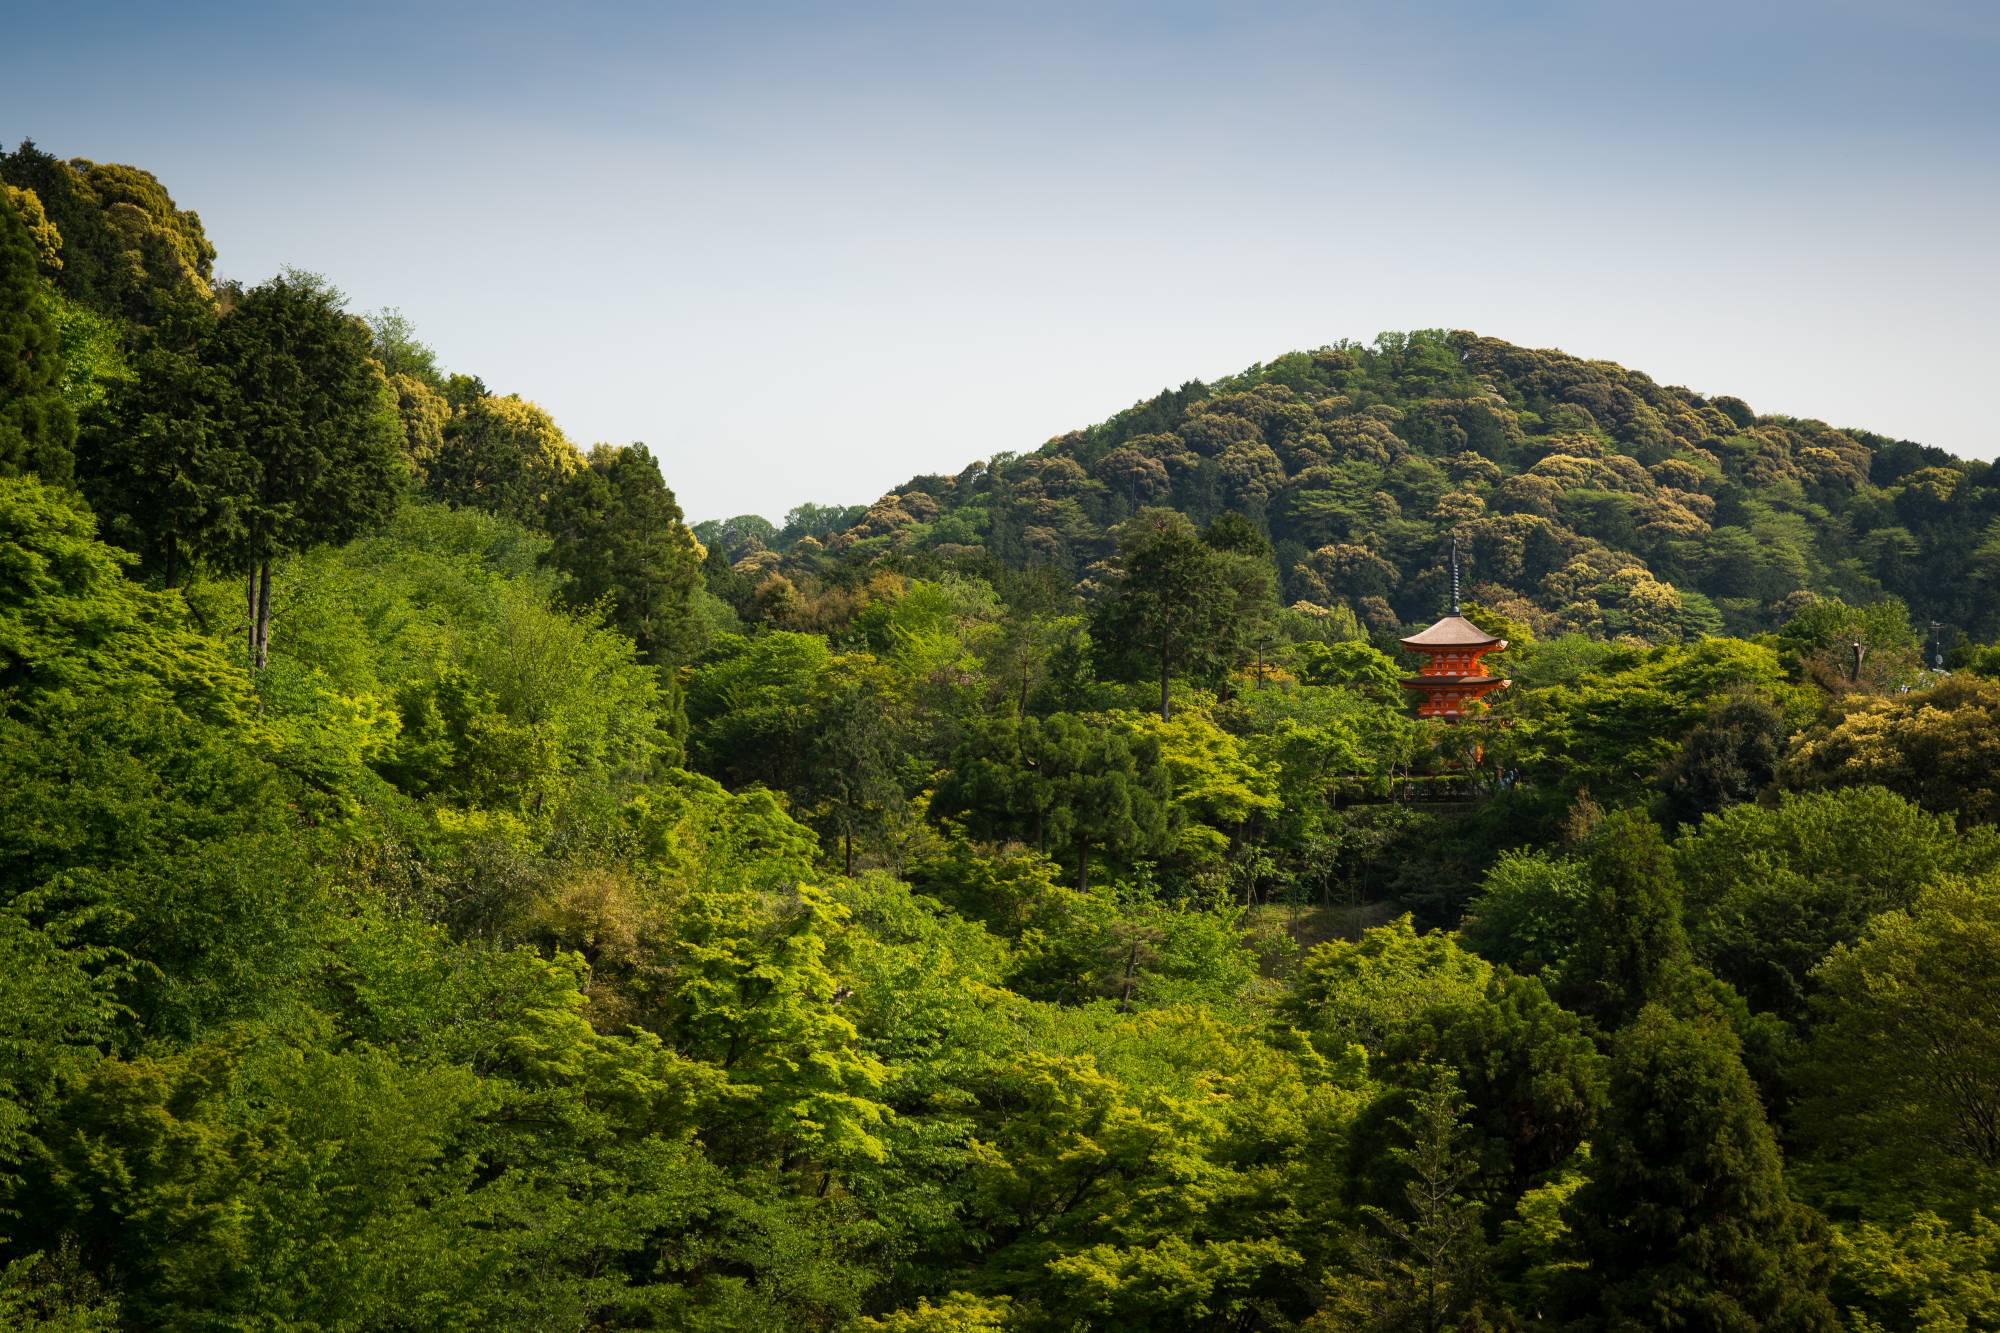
1453,676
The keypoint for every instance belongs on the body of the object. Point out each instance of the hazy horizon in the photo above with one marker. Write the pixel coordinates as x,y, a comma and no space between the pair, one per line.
806,256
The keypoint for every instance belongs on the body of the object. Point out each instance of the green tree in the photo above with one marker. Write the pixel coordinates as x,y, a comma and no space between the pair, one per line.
1247,567
503,455
1771,890
1685,1221
1906,1054
1529,912
1728,757
315,425
1067,782
1172,602
156,458
1841,647
400,350
1631,947
1938,747
853,752
618,537
1422,1264
124,242
37,427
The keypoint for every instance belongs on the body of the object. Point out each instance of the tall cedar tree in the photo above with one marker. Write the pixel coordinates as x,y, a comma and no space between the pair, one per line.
154,459
1175,604
321,446
37,426
1631,946
620,539
1685,1220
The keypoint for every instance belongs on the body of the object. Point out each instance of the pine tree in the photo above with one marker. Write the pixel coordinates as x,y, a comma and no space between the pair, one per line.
1422,1265
154,459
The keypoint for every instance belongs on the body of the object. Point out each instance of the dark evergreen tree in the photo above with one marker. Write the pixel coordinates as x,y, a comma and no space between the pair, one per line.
314,425
1685,1221
154,458
1631,946
620,540
1064,783
1253,579
1173,605
1730,756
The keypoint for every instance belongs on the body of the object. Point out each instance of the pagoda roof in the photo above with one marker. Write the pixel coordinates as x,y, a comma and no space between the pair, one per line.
1454,632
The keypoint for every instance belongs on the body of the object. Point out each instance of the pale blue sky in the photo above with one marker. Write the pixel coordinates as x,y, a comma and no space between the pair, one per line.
807,251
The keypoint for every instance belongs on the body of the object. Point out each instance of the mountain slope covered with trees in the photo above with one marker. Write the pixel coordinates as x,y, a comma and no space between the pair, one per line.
1588,498
441,890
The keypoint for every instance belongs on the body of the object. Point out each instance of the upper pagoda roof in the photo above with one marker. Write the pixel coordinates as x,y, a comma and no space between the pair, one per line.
1454,632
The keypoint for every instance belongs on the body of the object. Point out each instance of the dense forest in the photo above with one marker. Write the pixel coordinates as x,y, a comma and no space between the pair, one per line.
442,889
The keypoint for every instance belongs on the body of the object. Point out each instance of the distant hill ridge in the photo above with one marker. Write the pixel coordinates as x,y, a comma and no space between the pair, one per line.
1585,495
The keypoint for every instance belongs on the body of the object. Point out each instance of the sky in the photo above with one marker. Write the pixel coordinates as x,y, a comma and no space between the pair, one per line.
806,252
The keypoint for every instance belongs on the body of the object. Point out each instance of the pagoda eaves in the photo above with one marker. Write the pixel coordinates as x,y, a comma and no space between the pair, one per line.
1454,676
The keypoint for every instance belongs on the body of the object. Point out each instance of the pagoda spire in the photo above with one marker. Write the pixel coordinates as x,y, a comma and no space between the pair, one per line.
1454,573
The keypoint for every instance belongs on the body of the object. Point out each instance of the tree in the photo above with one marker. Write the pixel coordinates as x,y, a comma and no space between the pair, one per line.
618,537
314,425
124,242
1631,948
1840,647
1685,1219
1528,912
1727,758
503,455
818,521
1414,1002
1772,889
1064,781
853,749
1938,747
1020,651
1906,1055
1246,567
1422,1264
1172,601
155,458
400,350
37,426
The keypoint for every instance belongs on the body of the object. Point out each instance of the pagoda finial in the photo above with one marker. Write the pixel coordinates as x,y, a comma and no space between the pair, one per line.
1454,573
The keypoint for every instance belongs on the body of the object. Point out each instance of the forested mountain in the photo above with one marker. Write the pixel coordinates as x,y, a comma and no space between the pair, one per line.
441,891
1588,497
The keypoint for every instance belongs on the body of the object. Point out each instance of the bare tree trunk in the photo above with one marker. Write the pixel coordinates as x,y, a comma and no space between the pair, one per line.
263,614
250,596
847,850
1083,867
1165,715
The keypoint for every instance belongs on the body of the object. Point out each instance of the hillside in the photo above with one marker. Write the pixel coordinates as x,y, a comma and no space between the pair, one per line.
1588,497
437,892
